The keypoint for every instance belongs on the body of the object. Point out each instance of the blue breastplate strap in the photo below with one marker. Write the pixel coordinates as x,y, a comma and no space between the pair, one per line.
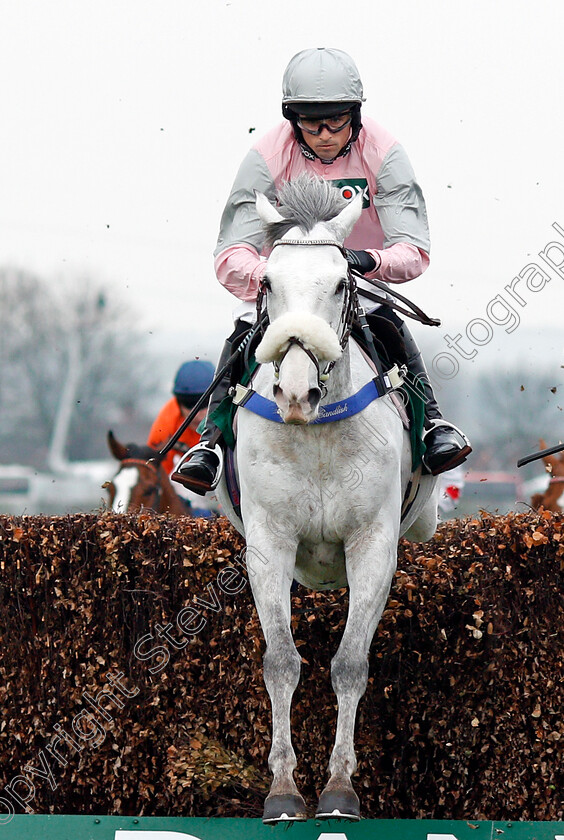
249,399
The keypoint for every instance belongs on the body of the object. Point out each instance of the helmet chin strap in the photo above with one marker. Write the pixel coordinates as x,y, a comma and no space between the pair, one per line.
311,155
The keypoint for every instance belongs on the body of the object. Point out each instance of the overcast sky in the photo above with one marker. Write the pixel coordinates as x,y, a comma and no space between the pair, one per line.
123,122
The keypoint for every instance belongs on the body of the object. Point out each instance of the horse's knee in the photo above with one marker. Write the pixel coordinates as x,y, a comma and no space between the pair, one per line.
349,672
282,663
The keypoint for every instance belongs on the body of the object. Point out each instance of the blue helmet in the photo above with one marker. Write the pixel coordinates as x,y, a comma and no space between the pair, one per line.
191,380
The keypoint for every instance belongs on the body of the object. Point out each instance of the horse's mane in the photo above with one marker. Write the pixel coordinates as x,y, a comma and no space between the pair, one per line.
304,202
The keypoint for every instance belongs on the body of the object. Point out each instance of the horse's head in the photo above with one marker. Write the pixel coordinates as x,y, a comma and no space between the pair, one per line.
138,482
309,292
553,497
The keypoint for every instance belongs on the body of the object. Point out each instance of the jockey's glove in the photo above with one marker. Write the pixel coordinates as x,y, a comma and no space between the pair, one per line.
361,261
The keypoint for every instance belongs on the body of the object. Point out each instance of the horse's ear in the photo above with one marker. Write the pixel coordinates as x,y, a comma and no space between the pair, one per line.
118,450
267,213
343,224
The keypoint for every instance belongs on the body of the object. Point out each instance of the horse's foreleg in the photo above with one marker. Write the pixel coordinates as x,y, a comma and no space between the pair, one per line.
370,577
271,579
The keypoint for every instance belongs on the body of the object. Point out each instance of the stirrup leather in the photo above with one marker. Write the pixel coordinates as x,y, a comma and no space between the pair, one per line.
218,452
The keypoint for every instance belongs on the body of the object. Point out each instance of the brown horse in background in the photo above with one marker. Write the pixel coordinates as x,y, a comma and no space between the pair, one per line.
141,483
550,499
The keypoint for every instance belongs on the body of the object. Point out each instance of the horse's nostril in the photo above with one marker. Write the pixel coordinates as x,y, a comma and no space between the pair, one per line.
275,388
313,397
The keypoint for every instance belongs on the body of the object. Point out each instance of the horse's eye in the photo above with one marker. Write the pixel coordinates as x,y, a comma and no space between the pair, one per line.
340,286
266,284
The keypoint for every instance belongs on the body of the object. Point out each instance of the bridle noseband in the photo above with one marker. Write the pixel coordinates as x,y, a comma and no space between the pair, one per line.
349,311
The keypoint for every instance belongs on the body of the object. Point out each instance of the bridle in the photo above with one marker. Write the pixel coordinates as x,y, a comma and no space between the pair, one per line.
352,312
349,311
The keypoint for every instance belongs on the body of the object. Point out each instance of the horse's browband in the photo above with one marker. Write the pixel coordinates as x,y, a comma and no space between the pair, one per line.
310,242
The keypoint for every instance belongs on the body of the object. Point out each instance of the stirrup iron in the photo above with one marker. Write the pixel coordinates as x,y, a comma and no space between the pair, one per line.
440,422
218,452
457,458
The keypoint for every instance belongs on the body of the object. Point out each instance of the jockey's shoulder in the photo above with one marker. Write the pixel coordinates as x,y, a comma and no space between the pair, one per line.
169,411
375,138
275,141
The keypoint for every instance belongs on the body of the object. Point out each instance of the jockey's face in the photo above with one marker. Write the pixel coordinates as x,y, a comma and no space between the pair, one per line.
327,144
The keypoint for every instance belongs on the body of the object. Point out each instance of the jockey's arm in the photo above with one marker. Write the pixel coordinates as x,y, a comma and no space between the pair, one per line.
238,264
240,269
402,213
399,203
398,263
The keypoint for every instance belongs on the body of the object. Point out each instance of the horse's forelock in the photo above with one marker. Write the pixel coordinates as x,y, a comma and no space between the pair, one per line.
304,203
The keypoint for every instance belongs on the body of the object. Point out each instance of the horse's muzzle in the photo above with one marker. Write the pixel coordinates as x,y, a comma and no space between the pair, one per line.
295,416
295,411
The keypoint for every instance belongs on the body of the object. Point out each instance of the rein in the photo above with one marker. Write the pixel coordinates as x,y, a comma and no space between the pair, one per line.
413,312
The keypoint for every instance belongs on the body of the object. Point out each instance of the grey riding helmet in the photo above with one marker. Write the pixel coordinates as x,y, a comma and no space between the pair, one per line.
322,82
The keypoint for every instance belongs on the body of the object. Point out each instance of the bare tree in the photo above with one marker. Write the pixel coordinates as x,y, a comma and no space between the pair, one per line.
46,336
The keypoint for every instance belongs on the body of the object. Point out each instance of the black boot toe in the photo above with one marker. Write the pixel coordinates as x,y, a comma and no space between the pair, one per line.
198,472
446,448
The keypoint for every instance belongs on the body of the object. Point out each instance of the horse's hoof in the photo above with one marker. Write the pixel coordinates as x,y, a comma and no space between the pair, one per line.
338,805
284,808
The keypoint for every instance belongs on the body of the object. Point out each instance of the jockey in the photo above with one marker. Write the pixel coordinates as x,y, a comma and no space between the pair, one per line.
190,382
325,135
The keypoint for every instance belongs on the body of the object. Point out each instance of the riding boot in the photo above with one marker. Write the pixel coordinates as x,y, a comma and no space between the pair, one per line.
446,446
200,468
